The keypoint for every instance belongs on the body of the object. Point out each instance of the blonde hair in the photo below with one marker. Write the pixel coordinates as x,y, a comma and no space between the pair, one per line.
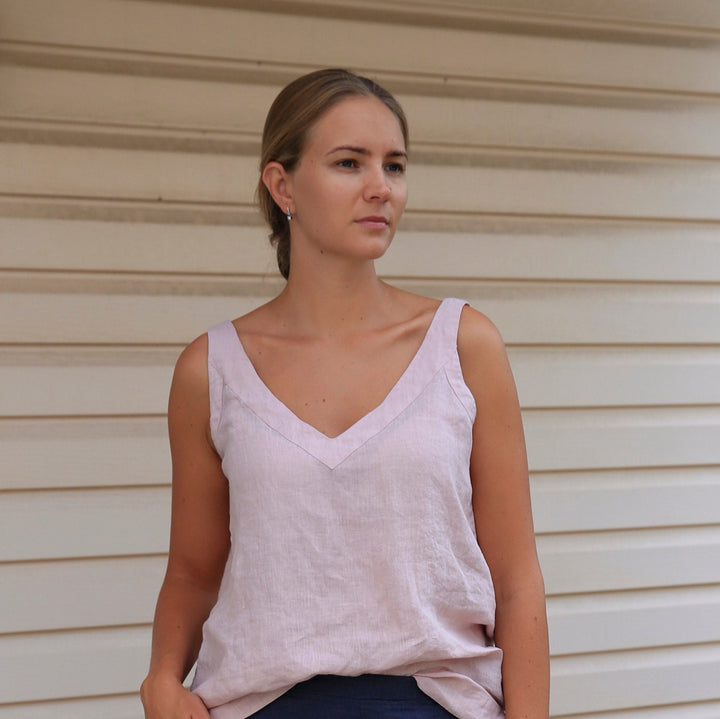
290,118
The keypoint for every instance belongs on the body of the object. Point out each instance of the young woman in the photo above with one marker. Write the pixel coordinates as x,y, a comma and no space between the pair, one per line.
351,526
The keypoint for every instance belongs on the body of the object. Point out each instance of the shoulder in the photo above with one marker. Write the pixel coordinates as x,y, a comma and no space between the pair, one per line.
190,379
193,359
482,353
479,340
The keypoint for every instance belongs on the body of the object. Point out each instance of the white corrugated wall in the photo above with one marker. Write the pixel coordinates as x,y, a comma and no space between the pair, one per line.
565,178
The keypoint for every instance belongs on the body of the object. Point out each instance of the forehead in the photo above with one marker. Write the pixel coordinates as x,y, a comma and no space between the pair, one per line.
357,120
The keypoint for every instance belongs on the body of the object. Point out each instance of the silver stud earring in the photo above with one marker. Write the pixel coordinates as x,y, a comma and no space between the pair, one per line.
288,214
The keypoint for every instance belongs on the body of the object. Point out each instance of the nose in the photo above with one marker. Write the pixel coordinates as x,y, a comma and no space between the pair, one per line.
377,186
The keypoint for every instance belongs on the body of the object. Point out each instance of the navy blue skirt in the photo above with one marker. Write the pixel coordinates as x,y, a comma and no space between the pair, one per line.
370,696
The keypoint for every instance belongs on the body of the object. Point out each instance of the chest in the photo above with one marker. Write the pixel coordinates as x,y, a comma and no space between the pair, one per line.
332,383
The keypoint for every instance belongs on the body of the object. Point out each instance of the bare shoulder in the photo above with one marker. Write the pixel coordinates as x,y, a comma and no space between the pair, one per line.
190,379
484,360
479,340
191,365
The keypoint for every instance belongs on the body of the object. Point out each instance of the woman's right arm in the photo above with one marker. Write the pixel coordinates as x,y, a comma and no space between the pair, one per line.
199,543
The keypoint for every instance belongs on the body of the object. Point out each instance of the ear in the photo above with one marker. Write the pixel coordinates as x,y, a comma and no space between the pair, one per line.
279,184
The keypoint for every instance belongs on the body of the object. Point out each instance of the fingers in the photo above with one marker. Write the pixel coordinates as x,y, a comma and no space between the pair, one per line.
198,709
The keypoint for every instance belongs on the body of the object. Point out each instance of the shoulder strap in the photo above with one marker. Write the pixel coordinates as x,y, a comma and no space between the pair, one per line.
451,322
453,369
222,349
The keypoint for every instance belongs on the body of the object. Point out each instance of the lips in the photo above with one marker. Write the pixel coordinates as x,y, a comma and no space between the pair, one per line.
374,221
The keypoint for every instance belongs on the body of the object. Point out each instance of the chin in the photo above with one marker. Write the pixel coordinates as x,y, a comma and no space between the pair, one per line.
375,250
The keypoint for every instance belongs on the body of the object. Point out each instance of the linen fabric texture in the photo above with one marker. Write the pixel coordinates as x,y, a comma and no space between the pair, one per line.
355,554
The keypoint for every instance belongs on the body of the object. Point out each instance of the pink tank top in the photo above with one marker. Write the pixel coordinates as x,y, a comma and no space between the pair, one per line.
354,554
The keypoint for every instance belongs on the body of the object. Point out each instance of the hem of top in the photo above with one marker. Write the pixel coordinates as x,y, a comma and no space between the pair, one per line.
489,703
230,710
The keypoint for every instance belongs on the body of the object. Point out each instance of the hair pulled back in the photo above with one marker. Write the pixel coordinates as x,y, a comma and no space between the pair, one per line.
290,118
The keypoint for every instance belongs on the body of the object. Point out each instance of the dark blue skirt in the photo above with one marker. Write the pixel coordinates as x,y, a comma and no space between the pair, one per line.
370,696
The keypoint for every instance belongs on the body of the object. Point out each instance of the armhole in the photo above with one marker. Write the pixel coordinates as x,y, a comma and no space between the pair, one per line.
453,368
216,381
215,387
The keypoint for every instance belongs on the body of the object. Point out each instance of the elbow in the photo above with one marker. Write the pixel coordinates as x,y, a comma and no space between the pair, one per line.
526,584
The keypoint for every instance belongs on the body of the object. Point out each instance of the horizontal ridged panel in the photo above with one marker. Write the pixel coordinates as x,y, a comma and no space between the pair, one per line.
124,104
698,14
83,390
538,249
108,311
126,319
123,108
105,661
605,438
112,707
116,591
659,190
142,174
626,499
94,382
85,593
612,621
229,34
495,183
686,710
73,664
41,244
67,453
623,560
604,682
59,453
533,249
59,524
605,376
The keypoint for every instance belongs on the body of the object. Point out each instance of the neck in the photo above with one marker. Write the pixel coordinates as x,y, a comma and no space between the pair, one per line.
333,300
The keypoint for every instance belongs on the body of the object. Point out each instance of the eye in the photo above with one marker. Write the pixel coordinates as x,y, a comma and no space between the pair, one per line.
396,168
348,163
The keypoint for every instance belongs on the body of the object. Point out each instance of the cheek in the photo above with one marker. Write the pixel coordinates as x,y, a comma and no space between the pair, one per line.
330,189
400,195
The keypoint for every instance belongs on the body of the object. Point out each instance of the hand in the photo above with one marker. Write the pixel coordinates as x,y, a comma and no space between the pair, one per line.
166,698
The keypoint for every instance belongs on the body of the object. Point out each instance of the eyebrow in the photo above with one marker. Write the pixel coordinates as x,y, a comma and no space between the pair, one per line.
364,151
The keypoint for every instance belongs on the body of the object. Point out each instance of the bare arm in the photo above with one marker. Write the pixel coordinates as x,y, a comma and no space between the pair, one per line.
503,518
199,542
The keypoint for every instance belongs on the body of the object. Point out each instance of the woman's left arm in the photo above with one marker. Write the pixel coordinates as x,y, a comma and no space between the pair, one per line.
503,518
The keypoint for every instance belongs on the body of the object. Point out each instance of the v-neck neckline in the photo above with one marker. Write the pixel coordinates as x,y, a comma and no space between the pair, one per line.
332,450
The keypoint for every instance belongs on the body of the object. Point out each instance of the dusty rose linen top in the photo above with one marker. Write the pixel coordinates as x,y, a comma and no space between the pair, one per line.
354,554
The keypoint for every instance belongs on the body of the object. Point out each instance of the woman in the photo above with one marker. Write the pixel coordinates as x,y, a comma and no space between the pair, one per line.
363,448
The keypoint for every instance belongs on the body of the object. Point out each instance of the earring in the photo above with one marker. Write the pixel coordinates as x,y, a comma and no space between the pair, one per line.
288,214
